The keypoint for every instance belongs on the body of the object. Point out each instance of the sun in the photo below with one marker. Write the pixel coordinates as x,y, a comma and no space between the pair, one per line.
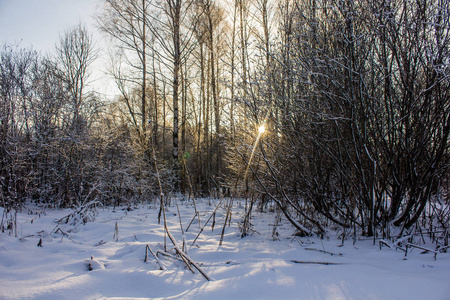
261,129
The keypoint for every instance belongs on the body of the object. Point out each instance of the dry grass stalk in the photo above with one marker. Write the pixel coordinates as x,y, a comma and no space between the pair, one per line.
148,249
204,225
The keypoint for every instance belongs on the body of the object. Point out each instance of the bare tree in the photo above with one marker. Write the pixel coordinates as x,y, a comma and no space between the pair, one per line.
128,23
76,53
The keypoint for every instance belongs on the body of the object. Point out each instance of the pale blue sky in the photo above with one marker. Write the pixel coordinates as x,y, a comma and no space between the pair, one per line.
39,23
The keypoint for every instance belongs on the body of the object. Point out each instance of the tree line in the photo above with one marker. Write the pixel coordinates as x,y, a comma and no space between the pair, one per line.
353,96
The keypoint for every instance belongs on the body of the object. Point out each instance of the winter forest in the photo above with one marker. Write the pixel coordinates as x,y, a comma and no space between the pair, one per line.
329,115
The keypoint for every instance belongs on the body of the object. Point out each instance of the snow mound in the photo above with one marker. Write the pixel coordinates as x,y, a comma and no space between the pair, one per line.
94,264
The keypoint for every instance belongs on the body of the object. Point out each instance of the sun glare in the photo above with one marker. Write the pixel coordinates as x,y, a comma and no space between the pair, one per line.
261,129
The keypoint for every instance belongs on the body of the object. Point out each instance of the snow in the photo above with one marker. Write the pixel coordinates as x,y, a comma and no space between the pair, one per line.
254,267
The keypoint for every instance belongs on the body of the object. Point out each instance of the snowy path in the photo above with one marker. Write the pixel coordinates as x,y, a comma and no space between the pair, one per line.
254,267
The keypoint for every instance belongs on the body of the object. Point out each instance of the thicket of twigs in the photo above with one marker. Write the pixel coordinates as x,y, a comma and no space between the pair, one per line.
341,118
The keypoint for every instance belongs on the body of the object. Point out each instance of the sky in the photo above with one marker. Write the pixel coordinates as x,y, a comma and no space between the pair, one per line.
38,24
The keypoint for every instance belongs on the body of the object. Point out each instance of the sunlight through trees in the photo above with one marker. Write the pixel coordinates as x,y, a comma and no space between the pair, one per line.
337,111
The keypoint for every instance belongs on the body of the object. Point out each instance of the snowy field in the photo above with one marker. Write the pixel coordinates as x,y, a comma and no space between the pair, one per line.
254,267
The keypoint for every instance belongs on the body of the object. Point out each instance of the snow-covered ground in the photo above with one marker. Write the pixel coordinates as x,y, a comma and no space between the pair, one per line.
254,267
